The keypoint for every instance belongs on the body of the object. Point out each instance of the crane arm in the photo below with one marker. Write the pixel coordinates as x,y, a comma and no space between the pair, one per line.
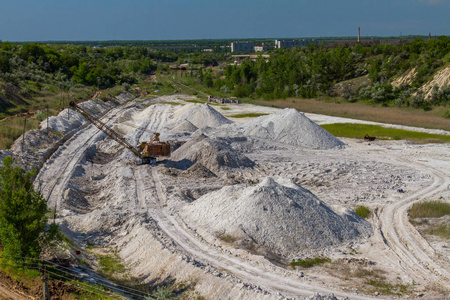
107,130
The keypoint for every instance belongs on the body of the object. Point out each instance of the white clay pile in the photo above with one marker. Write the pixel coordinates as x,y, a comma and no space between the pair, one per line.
278,215
288,127
213,153
201,115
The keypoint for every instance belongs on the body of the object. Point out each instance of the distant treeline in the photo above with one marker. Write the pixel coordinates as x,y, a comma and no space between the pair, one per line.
207,43
298,72
309,71
79,64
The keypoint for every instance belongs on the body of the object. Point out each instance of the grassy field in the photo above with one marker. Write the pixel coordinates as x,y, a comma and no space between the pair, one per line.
358,131
249,115
429,209
363,111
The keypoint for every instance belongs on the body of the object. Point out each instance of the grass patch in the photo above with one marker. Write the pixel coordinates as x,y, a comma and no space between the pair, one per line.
429,209
310,262
196,101
12,128
362,211
226,237
386,288
249,115
441,230
359,130
110,265
18,270
172,103
225,108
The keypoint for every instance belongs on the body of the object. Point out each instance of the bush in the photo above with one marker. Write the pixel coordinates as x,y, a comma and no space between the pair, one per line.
362,211
40,115
162,293
417,100
126,86
22,213
399,102
447,114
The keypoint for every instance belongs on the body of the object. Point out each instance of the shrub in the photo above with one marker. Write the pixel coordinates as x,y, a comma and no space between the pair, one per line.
22,212
447,114
126,86
417,100
40,115
362,211
399,102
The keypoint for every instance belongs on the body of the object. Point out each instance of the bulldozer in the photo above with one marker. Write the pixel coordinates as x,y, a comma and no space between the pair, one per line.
146,152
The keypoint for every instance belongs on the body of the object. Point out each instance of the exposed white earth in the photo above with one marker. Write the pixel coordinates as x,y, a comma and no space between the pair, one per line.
238,201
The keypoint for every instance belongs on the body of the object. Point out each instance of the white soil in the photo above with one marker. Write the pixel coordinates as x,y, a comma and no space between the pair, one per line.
163,219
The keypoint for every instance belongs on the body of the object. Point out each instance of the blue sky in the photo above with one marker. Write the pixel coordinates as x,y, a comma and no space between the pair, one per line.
43,20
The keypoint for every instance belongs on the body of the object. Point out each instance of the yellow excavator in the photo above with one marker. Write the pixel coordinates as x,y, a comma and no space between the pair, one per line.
146,152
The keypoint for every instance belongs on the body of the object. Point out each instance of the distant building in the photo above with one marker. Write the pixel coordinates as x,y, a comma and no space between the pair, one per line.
261,48
242,47
292,43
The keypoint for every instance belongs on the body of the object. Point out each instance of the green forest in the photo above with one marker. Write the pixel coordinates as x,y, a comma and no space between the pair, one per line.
31,69
309,71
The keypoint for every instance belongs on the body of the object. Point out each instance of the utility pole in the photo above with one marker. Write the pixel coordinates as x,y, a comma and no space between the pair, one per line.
46,292
54,214
47,122
23,135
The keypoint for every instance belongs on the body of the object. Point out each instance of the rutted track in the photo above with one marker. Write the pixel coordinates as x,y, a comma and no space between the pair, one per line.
247,272
402,238
56,182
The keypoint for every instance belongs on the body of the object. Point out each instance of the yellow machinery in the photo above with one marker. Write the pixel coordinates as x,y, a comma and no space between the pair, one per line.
147,152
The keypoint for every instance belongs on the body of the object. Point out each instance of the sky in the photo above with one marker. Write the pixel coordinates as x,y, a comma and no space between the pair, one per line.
83,20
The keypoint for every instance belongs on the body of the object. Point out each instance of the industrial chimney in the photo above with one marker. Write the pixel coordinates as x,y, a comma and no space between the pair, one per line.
358,34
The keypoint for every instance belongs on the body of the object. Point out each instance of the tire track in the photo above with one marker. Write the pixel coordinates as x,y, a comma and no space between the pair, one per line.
247,272
403,239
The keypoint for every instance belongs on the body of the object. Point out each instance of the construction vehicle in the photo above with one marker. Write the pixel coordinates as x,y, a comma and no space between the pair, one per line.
146,152
369,138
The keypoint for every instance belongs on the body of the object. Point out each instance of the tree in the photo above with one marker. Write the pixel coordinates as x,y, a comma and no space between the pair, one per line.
5,66
22,213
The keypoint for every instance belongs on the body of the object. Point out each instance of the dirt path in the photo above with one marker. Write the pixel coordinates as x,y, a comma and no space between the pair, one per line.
262,277
415,254
8,294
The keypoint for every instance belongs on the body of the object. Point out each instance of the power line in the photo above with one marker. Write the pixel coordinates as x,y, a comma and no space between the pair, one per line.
113,284
118,288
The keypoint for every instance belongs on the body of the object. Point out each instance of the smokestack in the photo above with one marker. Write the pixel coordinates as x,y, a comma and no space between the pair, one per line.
358,33
429,35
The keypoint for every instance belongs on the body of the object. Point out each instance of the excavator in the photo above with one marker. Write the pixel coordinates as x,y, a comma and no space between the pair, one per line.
146,152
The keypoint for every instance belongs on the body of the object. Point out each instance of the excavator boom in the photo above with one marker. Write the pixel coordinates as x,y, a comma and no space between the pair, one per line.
147,152
107,130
